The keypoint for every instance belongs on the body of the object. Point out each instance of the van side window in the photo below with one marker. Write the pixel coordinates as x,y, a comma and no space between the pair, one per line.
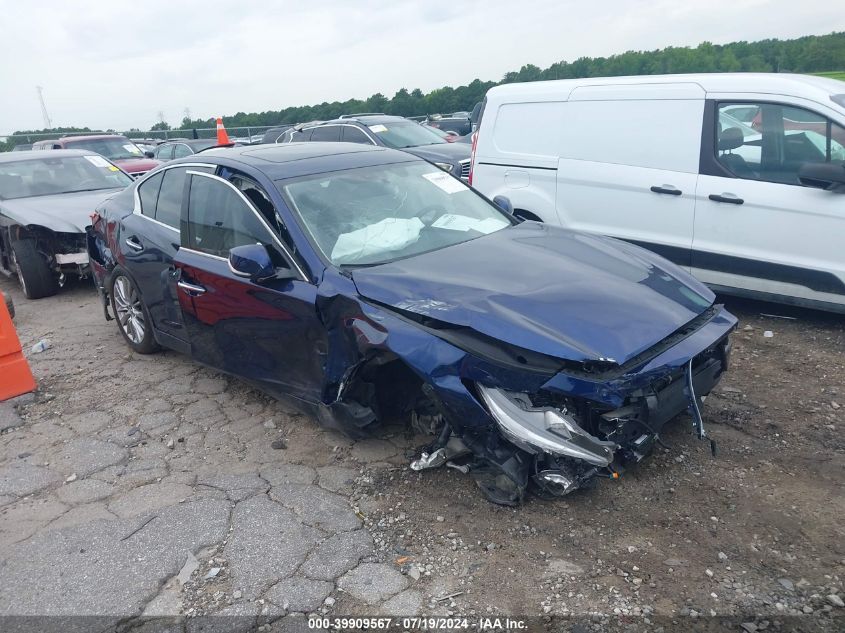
770,141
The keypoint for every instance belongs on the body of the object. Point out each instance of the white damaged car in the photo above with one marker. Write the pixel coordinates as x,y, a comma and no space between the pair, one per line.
46,199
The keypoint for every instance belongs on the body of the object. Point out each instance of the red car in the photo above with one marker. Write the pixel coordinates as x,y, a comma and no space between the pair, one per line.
118,149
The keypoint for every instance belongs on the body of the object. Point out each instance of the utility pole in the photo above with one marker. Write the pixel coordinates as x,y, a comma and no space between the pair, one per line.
47,123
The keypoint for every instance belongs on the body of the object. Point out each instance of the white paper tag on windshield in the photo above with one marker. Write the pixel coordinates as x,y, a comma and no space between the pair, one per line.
98,161
445,182
378,128
132,149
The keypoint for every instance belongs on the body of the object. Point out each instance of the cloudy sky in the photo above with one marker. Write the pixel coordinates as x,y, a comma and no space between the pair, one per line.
118,64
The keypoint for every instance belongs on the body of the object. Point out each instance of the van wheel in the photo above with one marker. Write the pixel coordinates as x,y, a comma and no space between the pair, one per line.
526,215
35,276
133,318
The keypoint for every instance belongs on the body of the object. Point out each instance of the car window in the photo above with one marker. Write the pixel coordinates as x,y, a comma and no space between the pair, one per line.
219,219
327,133
148,194
402,134
180,150
113,148
298,136
164,152
372,215
169,207
49,175
774,144
352,134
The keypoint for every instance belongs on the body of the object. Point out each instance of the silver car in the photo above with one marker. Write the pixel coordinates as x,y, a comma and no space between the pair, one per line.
46,199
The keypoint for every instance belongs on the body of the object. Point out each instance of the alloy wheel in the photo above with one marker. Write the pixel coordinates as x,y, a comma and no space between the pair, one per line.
130,312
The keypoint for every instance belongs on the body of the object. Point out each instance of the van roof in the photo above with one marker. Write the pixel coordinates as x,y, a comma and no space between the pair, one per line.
808,86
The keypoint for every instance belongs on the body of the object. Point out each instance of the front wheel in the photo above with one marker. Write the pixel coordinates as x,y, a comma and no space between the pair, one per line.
131,314
34,274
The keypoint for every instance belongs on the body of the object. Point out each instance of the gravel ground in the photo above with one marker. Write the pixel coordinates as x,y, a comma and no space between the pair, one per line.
146,485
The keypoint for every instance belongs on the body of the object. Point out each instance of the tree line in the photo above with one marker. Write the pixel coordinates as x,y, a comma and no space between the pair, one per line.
809,54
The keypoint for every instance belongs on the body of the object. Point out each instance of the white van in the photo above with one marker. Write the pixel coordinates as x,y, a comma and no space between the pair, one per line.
737,178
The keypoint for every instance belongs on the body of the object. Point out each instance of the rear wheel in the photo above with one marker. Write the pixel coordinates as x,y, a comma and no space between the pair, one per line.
34,275
131,314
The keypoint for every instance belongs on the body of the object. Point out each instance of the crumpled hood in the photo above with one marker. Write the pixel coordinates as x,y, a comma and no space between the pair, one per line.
441,152
569,295
63,212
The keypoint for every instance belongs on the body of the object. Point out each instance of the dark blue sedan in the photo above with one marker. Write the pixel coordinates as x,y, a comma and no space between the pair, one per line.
364,284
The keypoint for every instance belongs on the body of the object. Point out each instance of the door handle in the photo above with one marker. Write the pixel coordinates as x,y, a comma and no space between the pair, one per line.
728,199
134,244
191,290
667,189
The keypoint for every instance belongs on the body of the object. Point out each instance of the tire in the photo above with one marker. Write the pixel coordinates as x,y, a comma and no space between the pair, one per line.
34,275
10,305
131,314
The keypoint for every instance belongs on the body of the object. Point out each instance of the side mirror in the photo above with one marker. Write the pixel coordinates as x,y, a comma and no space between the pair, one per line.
504,203
251,261
149,154
827,176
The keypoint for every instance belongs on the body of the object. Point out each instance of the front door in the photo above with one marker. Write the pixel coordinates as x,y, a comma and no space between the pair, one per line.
265,332
757,229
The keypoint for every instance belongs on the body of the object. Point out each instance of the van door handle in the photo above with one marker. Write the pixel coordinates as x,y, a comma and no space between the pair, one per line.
191,290
667,189
728,199
134,244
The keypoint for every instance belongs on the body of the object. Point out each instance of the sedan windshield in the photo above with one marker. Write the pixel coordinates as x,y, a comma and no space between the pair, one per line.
373,215
111,148
52,175
401,134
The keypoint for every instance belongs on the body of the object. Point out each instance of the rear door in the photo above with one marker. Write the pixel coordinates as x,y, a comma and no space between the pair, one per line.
757,229
629,164
149,242
265,332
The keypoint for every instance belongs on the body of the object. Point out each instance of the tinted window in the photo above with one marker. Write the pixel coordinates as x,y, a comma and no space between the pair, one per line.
298,136
327,133
148,193
774,144
219,219
352,134
181,150
164,152
169,205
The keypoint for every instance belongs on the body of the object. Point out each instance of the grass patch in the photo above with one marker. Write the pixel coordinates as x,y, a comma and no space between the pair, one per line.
833,74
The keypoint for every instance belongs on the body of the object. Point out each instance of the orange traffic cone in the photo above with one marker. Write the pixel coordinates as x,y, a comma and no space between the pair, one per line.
15,376
222,137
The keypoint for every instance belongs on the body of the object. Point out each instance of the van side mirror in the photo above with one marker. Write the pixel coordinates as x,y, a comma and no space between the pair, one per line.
827,176
253,262
504,203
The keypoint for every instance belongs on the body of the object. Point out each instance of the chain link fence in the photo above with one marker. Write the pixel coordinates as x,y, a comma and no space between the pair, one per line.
248,134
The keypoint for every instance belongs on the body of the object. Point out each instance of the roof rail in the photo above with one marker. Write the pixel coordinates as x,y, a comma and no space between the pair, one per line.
357,114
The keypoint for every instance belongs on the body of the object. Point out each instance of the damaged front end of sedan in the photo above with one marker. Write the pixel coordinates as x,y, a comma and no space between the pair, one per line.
512,418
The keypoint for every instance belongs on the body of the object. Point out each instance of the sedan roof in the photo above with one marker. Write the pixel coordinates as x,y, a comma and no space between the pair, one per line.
35,154
291,160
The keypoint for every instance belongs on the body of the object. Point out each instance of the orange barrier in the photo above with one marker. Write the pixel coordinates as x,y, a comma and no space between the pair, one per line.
15,376
222,136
